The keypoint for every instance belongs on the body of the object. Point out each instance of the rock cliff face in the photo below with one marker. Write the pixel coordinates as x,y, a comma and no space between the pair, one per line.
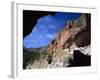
76,35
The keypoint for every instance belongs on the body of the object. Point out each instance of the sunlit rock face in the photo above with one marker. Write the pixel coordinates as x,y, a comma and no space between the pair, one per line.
70,47
75,36
47,28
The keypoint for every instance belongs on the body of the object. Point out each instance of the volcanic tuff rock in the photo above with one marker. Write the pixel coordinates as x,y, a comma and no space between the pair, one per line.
75,32
74,36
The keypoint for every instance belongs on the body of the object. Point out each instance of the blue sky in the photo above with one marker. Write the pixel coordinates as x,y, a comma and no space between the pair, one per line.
47,28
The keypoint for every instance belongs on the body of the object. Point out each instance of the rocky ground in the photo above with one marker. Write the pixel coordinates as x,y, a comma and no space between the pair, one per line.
72,47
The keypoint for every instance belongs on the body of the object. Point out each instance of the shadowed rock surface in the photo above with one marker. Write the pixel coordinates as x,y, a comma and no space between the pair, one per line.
72,47
80,59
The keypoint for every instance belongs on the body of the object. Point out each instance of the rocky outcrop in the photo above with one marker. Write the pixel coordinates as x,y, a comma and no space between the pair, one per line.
76,35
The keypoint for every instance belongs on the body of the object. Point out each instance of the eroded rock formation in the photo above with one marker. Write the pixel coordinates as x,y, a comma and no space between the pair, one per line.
76,35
